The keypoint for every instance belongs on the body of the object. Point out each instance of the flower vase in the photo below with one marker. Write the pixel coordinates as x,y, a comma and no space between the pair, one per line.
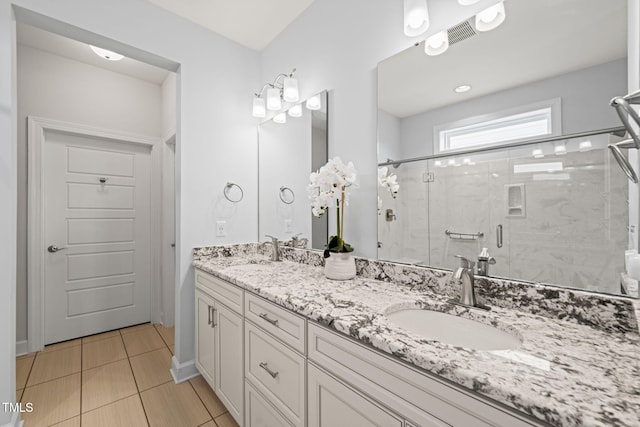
340,266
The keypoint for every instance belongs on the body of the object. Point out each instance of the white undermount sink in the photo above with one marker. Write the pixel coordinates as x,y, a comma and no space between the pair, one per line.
453,330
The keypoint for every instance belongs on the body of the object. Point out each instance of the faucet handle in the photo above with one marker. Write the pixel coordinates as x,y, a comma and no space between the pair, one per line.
274,239
465,263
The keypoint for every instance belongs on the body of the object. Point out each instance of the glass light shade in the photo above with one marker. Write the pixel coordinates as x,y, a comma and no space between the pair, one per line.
290,91
537,153
296,110
437,43
106,54
560,149
314,102
273,99
280,118
259,108
491,17
585,145
416,17
467,2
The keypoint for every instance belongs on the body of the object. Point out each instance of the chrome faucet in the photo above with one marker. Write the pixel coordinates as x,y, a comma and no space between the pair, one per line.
275,251
484,260
464,275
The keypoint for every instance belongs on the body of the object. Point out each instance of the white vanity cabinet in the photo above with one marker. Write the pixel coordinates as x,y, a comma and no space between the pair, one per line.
332,403
219,340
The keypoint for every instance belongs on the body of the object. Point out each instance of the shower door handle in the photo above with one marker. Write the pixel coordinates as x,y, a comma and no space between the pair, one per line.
499,235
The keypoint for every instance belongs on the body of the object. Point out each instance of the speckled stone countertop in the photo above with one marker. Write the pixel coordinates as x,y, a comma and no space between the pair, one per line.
575,367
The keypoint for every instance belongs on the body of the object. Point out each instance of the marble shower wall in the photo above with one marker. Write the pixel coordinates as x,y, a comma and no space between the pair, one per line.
572,230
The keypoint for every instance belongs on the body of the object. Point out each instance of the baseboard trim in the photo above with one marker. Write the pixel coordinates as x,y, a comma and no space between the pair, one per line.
182,372
16,421
22,347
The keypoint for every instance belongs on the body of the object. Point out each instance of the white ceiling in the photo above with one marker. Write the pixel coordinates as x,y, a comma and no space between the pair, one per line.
72,49
539,39
252,23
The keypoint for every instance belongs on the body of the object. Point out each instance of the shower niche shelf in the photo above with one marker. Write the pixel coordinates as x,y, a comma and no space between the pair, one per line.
516,202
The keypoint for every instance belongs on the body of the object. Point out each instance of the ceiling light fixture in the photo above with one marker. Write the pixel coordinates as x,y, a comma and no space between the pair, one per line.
437,43
106,54
416,17
295,111
284,87
491,17
280,118
462,89
314,102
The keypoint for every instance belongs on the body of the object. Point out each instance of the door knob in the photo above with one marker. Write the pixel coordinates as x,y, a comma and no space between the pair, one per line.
54,249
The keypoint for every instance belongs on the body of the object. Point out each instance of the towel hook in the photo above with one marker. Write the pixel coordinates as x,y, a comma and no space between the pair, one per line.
228,187
283,195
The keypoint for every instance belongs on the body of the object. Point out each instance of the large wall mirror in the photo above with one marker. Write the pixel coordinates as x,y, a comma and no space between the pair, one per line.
501,143
287,153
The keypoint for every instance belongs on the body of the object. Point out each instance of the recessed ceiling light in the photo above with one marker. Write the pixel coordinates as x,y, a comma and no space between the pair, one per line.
462,89
106,54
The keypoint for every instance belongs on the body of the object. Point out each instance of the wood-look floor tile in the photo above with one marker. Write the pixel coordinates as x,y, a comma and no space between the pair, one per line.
62,345
172,349
142,341
53,401
106,384
208,397
123,413
174,405
23,367
24,356
225,420
167,334
136,328
73,422
209,424
102,352
19,394
55,364
102,336
152,368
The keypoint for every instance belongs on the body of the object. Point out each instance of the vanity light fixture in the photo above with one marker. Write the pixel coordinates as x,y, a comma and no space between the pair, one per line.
284,87
416,17
537,153
295,111
491,17
462,89
106,54
314,102
584,146
437,43
280,118
560,149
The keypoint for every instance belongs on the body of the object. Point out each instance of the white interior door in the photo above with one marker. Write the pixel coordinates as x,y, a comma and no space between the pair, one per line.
96,225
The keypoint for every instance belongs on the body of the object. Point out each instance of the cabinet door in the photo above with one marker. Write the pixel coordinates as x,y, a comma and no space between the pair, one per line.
331,404
205,342
229,360
259,413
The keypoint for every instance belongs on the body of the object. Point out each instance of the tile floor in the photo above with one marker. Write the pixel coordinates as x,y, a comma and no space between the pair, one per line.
118,378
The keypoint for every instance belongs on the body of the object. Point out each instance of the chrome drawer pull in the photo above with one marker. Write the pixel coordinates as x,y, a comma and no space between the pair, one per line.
213,318
264,366
264,316
209,321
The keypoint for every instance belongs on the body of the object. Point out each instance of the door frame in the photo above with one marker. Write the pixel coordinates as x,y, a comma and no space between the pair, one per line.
35,219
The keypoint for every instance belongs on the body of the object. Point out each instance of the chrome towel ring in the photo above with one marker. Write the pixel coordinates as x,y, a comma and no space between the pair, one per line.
228,188
287,195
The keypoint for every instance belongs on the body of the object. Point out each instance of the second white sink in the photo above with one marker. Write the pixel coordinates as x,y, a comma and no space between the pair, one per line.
453,330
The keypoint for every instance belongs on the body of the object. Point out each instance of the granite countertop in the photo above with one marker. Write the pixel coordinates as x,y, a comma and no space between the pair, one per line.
564,373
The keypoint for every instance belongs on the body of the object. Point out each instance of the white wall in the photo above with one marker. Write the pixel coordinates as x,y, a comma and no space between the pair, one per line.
54,87
585,96
216,139
336,45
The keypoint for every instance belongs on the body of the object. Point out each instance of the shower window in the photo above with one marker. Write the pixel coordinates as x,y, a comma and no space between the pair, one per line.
526,122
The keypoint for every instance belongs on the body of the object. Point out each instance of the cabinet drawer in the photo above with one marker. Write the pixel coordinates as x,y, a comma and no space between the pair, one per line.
421,398
284,325
259,412
228,294
277,372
